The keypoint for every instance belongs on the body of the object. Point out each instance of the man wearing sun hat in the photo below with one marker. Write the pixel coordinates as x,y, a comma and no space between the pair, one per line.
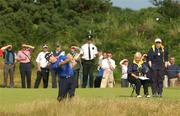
158,61
25,67
42,68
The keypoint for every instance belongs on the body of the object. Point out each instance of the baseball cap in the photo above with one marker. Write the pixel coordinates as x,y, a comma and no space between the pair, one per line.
158,40
45,46
48,55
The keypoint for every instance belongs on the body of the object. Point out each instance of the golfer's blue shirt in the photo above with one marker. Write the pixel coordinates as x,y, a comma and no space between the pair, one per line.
65,71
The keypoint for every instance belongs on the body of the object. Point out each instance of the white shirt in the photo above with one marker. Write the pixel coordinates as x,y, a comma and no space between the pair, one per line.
124,71
106,63
42,60
85,51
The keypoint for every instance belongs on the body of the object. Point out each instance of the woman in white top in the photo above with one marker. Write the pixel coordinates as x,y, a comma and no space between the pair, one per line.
124,67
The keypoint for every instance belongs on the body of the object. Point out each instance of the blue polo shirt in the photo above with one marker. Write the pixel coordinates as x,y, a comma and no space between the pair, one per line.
64,71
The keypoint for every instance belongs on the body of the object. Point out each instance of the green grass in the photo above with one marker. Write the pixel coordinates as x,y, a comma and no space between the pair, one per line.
37,101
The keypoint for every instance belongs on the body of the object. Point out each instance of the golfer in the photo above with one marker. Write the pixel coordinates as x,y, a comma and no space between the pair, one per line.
65,74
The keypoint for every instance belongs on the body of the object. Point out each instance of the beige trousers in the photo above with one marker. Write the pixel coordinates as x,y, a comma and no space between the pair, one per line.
108,79
173,82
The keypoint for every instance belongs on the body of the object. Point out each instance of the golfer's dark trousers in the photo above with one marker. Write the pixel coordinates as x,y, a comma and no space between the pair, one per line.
88,67
157,74
43,74
66,86
25,71
138,84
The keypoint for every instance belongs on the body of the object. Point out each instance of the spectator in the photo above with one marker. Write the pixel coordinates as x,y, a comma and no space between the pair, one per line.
135,70
24,57
173,72
108,65
158,60
57,53
97,81
75,63
88,52
124,66
42,68
9,65
66,75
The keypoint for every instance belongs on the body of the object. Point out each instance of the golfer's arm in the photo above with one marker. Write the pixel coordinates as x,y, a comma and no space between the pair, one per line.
65,62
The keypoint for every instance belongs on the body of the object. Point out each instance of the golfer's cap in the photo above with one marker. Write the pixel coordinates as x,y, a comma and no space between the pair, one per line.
158,40
45,46
48,55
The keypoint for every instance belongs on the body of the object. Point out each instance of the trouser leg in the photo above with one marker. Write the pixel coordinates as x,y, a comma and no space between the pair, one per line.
6,71
76,75
63,88
72,86
22,71
173,82
11,76
104,80
38,79
28,75
85,75
53,75
160,82
145,86
91,77
111,79
137,83
45,74
154,82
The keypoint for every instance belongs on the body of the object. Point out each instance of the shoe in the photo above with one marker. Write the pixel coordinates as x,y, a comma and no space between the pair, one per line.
147,96
154,95
138,96
159,95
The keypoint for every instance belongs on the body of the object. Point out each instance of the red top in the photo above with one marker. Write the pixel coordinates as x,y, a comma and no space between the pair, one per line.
1,53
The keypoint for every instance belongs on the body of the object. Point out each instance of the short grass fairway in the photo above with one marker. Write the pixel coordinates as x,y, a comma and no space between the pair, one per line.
88,102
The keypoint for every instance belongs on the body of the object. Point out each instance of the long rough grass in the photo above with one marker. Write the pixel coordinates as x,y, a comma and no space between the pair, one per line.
97,107
87,102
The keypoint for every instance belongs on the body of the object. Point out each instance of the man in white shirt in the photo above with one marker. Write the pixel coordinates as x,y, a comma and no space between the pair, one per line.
88,52
108,65
42,68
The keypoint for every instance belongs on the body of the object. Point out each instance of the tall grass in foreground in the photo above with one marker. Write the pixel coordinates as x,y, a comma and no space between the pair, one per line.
97,107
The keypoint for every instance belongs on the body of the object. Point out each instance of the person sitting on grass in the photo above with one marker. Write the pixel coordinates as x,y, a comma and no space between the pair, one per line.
135,70
65,73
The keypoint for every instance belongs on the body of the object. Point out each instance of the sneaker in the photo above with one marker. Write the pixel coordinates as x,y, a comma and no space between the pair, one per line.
147,96
138,96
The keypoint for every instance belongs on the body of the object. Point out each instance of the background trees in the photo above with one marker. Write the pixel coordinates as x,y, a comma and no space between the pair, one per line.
122,31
